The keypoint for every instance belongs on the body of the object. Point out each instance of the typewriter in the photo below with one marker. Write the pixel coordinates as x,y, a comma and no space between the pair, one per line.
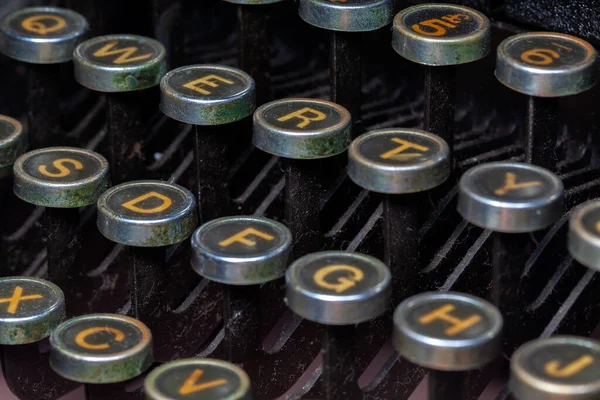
310,199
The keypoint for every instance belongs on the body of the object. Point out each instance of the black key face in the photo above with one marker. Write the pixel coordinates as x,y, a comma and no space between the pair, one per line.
30,309
121,51
27,298
209,82
451,319
591,221
64,177
198,379
9,127
147,213
564,362
556,366
101,348
302,128
398,160
244,237
101,336
402,148
549,51
302,115
448,331
148,201
63,166
44,22
513,184
443,21
339,275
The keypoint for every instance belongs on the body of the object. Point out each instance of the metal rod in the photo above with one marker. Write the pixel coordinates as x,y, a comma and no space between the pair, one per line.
242,323
346,74
63,242
125,121
440,102
303,190
148,292
211,154
401,240
43,105
340,377
447,385
254,56
541,131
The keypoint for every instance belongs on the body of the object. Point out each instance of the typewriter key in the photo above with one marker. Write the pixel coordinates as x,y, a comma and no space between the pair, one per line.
584,234
556,368
30,309
123,66
338,289
347,20
511,199
43,38
147,216
441,36
101,348
254,49
208,96
242,253
545,66
198,379
403,164
303,132
62,179
448,333
13,141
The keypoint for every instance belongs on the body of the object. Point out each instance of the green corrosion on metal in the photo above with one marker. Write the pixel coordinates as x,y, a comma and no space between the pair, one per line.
264,272
143,78
63,197
167,234
115,371
324,146
30,331
226,113
9,152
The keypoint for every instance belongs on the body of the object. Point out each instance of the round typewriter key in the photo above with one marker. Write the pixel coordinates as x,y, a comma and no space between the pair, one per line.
307,133
209,96
43,38
119,63
42,35
584,234
403,164
448,333
512,199
101,348
147,213
347,20
241,252
338,289
147,216
302,128
440,37
126,67
556,368
545,66
30,309
62,179
195,379
13,141
347,16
